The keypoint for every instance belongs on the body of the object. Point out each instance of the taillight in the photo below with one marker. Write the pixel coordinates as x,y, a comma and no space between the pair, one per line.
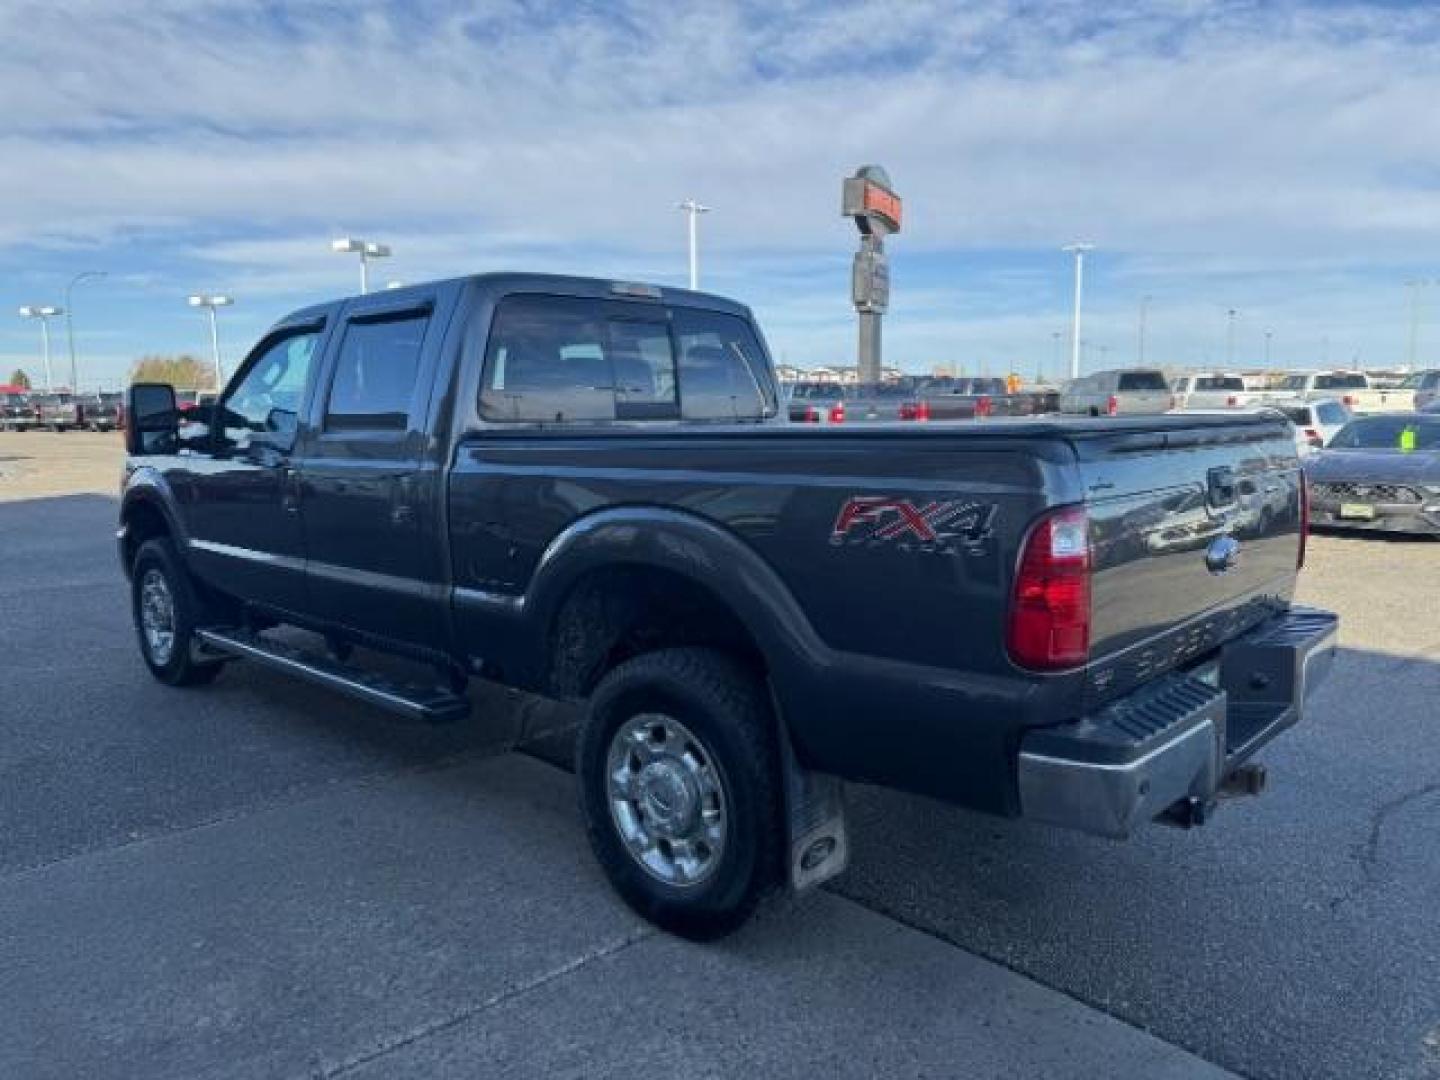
983,405
1049,622
1232,401
1112,406
812,414
837,413
1304,520
922,410
1314,438
1348,401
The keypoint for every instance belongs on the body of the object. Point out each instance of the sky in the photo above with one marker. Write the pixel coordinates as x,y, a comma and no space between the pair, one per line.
1278,160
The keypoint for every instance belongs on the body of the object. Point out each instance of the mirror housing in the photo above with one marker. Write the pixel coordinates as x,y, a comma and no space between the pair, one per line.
152,422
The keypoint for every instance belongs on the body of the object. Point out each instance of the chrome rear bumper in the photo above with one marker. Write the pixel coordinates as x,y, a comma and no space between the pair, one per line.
1174,741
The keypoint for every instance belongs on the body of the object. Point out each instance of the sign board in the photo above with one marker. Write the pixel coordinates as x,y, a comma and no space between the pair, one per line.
871,201
870,280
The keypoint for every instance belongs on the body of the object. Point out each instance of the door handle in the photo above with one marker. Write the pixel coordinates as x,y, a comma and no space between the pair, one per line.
289,489
402,500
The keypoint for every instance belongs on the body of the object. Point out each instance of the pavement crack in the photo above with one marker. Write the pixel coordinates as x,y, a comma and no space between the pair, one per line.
460,1016
1367,855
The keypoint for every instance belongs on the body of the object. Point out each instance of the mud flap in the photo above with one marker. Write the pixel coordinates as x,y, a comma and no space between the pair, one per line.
815,819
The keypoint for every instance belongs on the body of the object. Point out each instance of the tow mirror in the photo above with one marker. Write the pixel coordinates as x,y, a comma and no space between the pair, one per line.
152,422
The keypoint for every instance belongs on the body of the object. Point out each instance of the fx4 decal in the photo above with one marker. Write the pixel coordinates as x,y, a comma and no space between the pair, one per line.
945,526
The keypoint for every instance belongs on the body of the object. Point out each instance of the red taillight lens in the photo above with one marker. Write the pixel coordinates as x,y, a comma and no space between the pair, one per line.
1304,521
907,410
1232,401
837,413
983,405
1049,624
812,414
1348,401
922,411
1313,438
1112,406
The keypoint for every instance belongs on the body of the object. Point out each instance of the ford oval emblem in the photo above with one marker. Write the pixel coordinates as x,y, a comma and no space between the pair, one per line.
1222,554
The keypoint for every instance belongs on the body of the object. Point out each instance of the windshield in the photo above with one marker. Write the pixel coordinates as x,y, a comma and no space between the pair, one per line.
1219,382
1402,433
1143,380
828,391
1297,415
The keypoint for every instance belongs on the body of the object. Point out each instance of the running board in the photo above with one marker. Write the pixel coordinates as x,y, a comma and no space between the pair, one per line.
413,701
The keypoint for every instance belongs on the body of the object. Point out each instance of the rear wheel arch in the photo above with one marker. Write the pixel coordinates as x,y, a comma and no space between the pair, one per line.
614,613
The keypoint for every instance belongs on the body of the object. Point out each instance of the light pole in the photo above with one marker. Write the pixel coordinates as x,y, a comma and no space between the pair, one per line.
1078,248
367,250
1144,312
1230,314
211,301
693,210
69,326
44,313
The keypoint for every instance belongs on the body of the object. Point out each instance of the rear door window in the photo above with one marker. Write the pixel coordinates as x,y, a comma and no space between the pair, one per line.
559,359
723,373
375,376
1331,413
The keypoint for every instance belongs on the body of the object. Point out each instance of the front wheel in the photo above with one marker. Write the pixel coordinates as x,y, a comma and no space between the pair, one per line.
166,611
680,786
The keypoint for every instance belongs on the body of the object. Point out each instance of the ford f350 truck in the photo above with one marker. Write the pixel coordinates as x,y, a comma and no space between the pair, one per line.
587,490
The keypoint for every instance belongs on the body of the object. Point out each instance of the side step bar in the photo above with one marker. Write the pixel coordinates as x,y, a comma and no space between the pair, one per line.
414,701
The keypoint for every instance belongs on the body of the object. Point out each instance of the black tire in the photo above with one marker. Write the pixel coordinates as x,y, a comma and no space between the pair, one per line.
178,667
726,708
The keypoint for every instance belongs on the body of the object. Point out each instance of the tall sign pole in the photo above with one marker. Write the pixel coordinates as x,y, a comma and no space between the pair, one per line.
870,200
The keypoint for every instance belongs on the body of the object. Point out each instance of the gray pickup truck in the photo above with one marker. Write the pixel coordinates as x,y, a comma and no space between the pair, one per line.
588,490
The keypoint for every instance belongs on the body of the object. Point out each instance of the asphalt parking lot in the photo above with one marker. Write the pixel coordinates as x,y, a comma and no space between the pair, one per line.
259,880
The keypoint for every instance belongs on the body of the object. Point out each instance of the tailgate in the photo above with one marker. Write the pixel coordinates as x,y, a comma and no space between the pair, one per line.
1196,534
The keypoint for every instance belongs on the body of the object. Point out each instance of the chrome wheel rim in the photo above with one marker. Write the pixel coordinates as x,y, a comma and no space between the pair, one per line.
157,616
666,799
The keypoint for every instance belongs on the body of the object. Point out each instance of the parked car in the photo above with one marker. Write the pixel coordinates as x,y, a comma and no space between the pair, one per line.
1210,392
1425,385
17,411
1351,387
1316,422
971,398
58,412
604,504
1380,473
101,412
1127,392
816,403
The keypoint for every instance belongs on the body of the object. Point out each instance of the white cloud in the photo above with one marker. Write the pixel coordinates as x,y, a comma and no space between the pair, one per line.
1278,136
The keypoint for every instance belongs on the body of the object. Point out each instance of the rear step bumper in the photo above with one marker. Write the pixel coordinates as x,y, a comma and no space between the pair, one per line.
1175,741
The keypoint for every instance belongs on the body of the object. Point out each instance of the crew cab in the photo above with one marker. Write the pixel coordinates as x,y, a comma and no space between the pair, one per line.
17,411
587,490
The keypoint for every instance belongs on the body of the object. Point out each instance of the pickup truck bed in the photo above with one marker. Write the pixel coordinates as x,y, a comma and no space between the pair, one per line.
1062,618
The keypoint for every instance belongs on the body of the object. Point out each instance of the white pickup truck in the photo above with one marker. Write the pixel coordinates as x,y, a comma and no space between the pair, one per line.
1211,391
1352,388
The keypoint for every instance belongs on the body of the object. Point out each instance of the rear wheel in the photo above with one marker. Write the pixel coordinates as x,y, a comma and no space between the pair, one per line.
167,610
680,786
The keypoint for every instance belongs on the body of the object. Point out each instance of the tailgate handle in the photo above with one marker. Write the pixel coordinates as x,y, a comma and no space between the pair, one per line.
1220,486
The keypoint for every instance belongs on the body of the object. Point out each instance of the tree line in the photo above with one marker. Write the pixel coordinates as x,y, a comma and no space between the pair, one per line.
184,372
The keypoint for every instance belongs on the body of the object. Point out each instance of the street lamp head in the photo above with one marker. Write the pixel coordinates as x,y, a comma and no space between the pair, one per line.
28,312
693,207
376,251
1078,246
207,300
33,311
346,244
